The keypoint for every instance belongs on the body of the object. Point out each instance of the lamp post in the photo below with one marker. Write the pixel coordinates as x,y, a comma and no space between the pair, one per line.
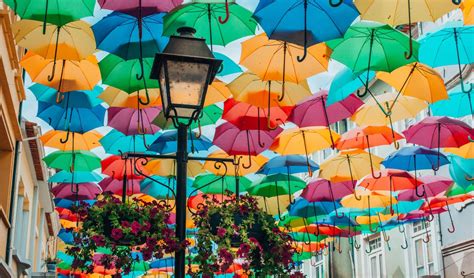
184,70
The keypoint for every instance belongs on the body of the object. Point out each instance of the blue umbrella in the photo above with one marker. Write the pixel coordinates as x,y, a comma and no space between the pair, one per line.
115,142
74,99
451,45
287,20
289,164
71,119
166,262
228,65
345,83
66,236
75,177
414,158
167,143
160,187
461,170
119,34
305,209
68,204
458,105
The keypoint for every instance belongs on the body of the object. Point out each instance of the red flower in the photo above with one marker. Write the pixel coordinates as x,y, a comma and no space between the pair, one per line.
116,234
244,249
297,275
221,232
136,227
146,226
125,224
98,240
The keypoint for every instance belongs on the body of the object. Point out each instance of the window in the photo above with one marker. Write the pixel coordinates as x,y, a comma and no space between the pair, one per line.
318,266
375,258
423,252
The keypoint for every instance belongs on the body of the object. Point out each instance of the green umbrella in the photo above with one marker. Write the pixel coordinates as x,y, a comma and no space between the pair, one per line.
57,12
76,160
373,46
126,75
205,19
457,190
276,184
209,116
212,184
302,237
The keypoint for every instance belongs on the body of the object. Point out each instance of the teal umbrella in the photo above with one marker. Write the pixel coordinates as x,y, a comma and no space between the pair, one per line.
75,177
228,65
461,170
162,187
75,99
75,160
345,83
451,45
115,142
458,105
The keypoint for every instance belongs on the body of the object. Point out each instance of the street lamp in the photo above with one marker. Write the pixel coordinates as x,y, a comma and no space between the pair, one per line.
184,70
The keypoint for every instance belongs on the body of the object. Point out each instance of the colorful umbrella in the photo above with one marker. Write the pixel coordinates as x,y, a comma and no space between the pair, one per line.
461,170
109,184
209,116
86,141
167,143
457,105
117,98
465,151
162,188
303,208
210,183
468,12
235,168
277,19
75,160
115,142
367,137
432,186
345,82
75,177
135,7
74,99
131,121
413,158
167,167
122,169
290,164
228,65
271,204
82,191
275,185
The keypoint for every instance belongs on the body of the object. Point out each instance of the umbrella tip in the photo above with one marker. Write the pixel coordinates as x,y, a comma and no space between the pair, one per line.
186,31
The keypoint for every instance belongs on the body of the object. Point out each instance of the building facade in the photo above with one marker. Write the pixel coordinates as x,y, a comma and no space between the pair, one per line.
28,222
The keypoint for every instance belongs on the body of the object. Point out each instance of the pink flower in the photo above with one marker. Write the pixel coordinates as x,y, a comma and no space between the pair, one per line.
125,224
98,240
135,227
116,234
297,275
244,249
221,232
146,226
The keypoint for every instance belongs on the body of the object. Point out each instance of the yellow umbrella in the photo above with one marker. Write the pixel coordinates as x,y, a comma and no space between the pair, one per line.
69,75
73,41
365,220
249,88
86,141
398,12
277,60
220,170
216,92
370,114
364,199
117,98
466,151
167,167
272,205
416,80
349,165
468,11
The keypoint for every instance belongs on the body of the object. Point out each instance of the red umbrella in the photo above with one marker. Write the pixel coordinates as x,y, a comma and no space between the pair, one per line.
116,186
195,201
444,201
439,132
314,112
66,214
132,121
118,168
145,7
235,141
366,137
77,191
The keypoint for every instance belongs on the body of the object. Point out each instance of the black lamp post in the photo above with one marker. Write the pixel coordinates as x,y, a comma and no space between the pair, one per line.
184,70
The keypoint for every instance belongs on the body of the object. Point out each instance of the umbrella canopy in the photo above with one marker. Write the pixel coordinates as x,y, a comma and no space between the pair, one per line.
275,185
75,177
432,186
115,186
465,151
83,191
271,204
414,158
116,167
75,160
290,164
167,167
371,136
322,190
210,183
73,99
205,19
304,140
303,208
345,82
457,105
86,141
209,116
229,168
461,170
161,188
115,142
367,201
468,11
167,143
228,65
132,121
115,97
390,180
136,7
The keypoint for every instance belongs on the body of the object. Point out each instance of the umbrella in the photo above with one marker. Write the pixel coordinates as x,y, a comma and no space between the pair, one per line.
277,19
345,82
56,12
413,158
115,142
461,170
122,169
228,65
69,76
468,12
291,164
438,132
134,7
195,201
304,140
163,188
350,165
271,204
314,111
82,191
372,46
209,116
167,143
416,80
131,121
457,105
206,19
74,99
367,137
390,180
167,167
305,209
276,60
400,12
115,186
235,168
86,141
75,160
402,107
432,186
212,184
449,46
117,98
75,177
71,119
465,151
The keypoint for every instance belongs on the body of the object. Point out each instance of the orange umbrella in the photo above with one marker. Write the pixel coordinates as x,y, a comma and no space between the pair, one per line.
468,11
86,141
442,201
320,229
67,76
195,201
367,137
167,167
465,151
218,169
115,97
118,168
416,80
216,92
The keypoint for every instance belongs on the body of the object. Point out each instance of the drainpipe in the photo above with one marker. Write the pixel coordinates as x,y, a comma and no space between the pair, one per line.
441,244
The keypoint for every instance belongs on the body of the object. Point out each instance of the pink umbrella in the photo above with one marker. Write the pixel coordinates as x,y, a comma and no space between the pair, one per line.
132,121
439,132
432,186
235,141
314,112
132,7
77,191
116,186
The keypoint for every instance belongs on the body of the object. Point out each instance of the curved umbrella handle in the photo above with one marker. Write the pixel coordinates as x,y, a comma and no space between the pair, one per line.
422,194
64,141
337,4
371,163
361,95
386,237
356,244
464,89
358,198
227,13
249,152
249,161
452,229
370,249
259,137
59,97
147,101
144,142
405,242
468,178
305,46
51,77
292,202
199,133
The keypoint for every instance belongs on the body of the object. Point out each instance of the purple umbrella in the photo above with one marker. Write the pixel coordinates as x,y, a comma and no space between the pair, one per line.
313,111
432,186
132,7
77,191
234,141
116,186
132,121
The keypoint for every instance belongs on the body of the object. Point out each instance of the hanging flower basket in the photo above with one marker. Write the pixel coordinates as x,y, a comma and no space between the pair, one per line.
242,233
117,226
